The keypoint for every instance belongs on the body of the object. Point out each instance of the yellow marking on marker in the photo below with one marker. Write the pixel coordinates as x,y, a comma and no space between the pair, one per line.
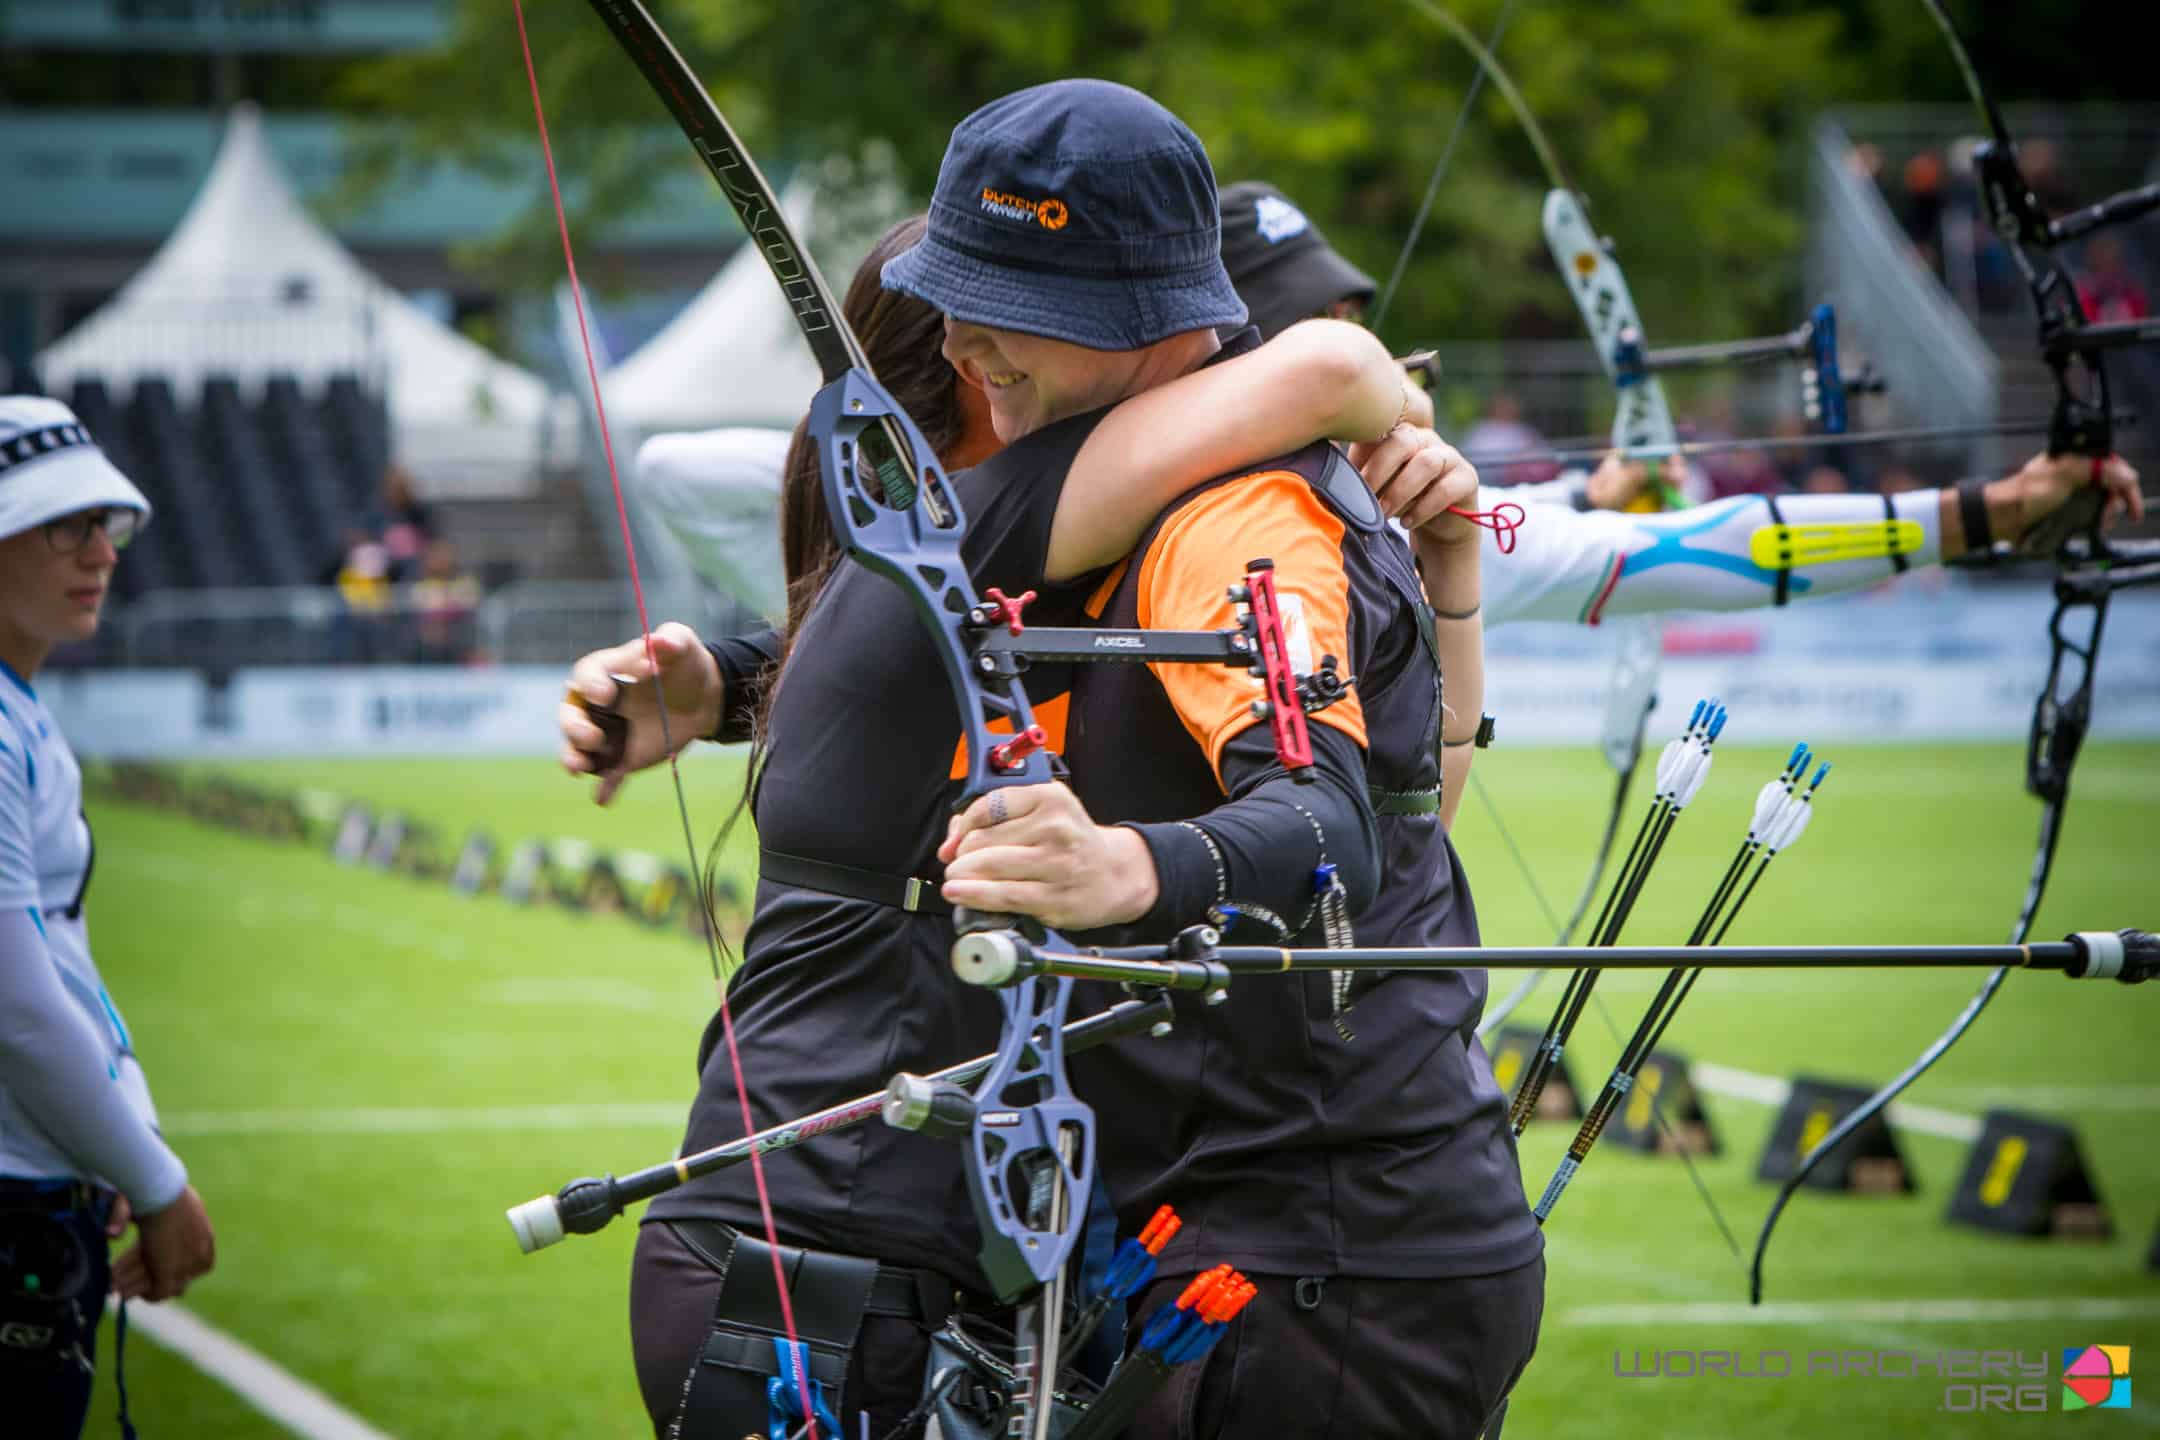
1787,547
2003,1171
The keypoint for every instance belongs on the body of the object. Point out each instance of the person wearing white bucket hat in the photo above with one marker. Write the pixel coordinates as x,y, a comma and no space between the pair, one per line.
80,1152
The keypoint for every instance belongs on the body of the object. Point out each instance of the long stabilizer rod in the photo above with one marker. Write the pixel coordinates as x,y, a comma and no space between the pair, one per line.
584,1206
1197,962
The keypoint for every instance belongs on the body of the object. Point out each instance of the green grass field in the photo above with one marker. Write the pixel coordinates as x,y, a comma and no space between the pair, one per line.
363,1071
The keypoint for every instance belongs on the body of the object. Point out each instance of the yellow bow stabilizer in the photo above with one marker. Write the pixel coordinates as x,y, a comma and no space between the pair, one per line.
1787,547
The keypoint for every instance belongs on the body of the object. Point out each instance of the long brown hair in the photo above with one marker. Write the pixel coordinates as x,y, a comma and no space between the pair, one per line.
901,337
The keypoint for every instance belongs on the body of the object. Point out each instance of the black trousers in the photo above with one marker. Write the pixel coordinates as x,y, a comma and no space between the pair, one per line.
673,1288
48,1339
1345,1357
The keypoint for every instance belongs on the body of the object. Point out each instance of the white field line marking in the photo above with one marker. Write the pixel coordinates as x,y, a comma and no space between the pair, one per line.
2060,1097
268,905
428,1119
1769,1090
276,1392
1892,1312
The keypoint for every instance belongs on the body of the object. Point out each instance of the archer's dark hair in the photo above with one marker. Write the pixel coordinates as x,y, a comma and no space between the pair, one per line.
902,339
901,336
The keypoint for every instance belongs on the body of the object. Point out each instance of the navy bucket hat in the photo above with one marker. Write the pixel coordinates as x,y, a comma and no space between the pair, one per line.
1080,210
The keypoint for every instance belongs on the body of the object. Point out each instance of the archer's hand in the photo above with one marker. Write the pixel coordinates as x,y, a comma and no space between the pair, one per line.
1047,859
1617,482
1416,476
2045,483
173,1248
689,677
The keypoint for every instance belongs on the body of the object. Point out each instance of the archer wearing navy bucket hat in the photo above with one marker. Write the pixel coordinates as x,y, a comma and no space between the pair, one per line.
1080,211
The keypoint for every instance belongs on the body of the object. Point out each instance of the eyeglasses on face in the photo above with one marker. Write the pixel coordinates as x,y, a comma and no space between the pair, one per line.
70,533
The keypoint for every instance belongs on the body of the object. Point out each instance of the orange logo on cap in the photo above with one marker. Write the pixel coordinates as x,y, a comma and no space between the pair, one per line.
1050,214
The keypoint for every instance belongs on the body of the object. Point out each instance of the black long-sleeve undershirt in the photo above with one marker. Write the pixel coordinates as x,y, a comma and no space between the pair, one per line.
1269,837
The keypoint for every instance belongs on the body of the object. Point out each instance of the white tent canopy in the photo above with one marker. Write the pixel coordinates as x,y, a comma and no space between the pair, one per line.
734,356
250,285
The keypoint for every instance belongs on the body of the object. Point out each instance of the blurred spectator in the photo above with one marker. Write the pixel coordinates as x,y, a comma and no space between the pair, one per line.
1793,463
443,600
1896,479
1503,431
363,583
2105,285
403,523
1731,472
1921,214
1825,480
2040,161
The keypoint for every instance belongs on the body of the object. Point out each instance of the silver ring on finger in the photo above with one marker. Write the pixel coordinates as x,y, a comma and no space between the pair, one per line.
998,815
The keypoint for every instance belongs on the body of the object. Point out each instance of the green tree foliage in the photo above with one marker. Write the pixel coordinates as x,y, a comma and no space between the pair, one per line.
1680,119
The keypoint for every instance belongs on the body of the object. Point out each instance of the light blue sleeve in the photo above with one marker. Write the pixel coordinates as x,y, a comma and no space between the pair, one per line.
18,866
53,1063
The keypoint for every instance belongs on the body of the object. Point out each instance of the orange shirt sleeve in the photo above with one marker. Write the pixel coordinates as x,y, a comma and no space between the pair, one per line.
1202,550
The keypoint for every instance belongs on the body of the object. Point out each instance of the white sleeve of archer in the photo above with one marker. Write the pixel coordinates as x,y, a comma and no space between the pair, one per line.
718,494
1567,488
1727,555
1562,561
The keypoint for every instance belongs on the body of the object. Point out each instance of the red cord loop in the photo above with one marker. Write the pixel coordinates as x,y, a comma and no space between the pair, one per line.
1504,519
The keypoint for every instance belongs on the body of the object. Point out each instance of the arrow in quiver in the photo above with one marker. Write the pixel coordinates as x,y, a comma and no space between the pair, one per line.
1868,1160
2026,1176
1511,1050
1662,1087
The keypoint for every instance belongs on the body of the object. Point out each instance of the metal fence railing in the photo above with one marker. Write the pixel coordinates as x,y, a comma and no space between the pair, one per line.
527,622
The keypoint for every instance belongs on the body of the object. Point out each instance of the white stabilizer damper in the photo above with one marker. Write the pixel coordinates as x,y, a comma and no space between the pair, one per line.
2103,954
986,958
536,1223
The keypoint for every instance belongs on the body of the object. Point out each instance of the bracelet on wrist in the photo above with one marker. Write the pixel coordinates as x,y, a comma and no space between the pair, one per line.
1482,737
